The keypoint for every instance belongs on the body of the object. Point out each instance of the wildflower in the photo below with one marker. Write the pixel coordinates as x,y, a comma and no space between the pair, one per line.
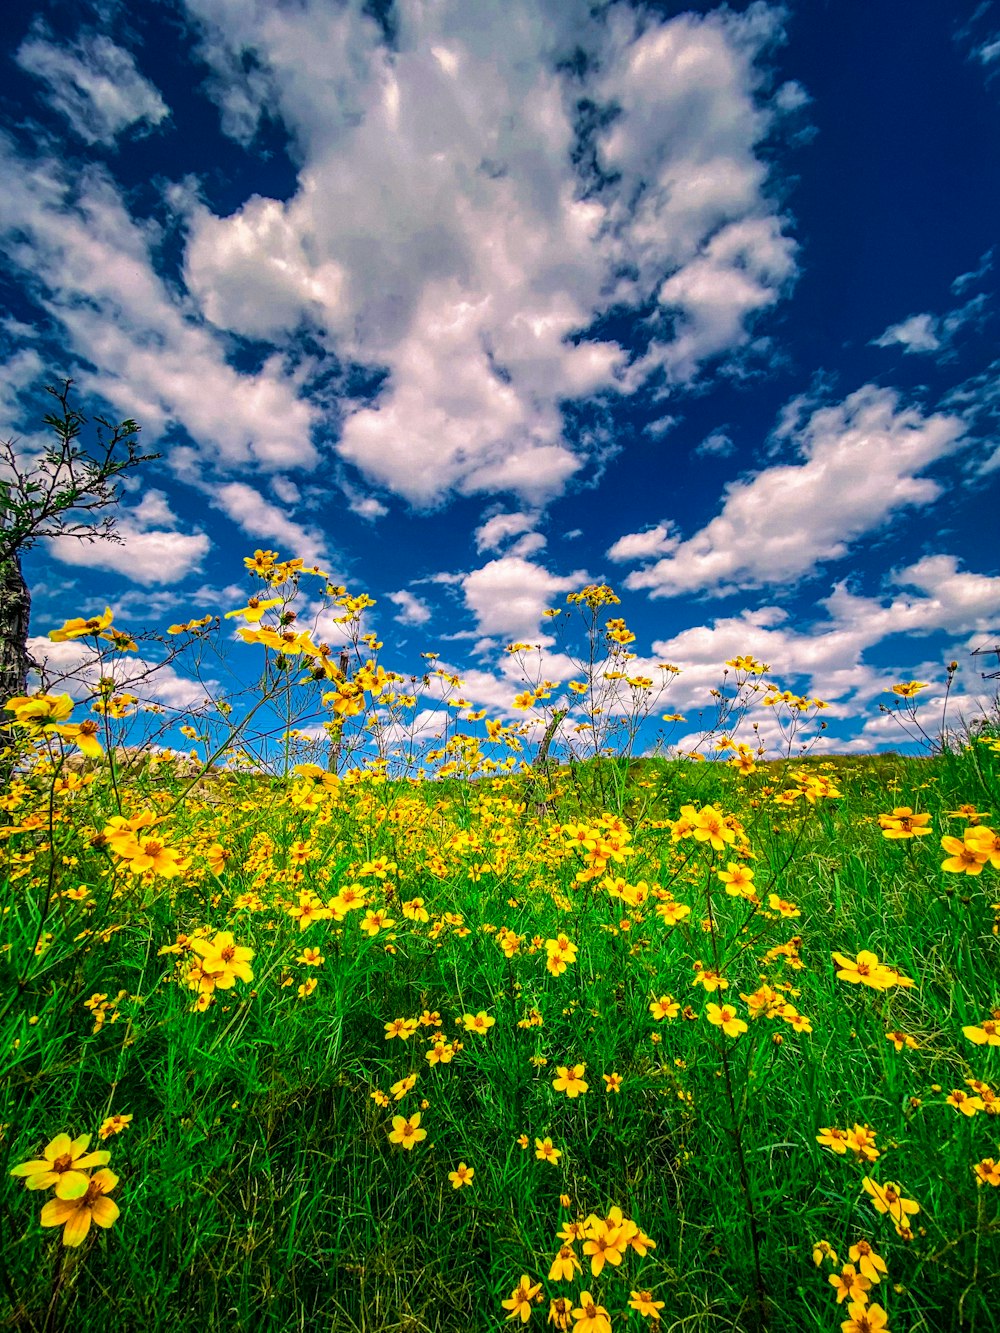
725,1017
311,958
824,1250
590,1317
480,1022
403,1028
966,857
407,1132
861,1140
866,969
521,1298
988,1034
113,1125
64,1163
403,1086
414,910
865,1319
224,960
570,1080
76,1213
711,980
612,1082
737,879
560,1313
564,1265
152,854
709,825
963,1103
306,988
379,1098
643,1303
903,823
901,1039
834,1139
909,688
545,1152
373,922
887,1198
665,1007
604,1244
565,1201
870,1264
462,1176
987,1172
849,1283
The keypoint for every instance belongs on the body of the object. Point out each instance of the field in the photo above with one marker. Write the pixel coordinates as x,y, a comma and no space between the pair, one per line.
593,1044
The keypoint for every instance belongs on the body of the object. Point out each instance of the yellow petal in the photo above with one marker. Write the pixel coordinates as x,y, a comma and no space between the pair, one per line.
77,1227
106,1212
72,1185
56,1212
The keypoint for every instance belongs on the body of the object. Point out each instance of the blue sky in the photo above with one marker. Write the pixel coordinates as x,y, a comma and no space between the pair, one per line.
475,303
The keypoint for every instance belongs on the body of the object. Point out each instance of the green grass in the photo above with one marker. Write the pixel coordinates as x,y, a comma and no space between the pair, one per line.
258,1186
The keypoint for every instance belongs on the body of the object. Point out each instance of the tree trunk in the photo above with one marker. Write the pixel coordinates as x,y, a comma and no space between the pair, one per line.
15,613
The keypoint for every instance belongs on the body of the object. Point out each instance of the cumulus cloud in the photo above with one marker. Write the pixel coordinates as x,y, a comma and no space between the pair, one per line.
92,268
507,596
150,549
261,519
75,668
95,84
457,224
492,534
412,611
861,461
642,545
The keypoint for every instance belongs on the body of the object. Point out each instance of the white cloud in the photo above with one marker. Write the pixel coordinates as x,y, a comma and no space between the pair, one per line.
412,611
74,667
643,545
915,334
716,445
368,508
260,519
492,534
92,267
861,461
95,84
146,554
508,595
442,230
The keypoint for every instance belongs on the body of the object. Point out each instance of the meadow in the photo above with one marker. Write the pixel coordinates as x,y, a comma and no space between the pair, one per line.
496,1030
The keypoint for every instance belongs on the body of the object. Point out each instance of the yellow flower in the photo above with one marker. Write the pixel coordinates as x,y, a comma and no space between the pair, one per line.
403,1086
909,688
725,1017
888,1199
986,1035
78,628
604,1244
665,1007
545,1152
987,1172
76,1213
865,969
849,1283
480,1022
865,1319
564,1265
113,1125
590,1317
870,1264
612,1082
64,1163
967,858
570,1080
462,1176
643,1303
407,1132
834,1139
521,1298
963,1103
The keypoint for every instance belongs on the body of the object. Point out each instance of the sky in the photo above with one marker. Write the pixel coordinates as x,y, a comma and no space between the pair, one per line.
477,303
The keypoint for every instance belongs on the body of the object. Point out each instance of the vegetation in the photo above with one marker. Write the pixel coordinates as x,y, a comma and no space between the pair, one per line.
392,1033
